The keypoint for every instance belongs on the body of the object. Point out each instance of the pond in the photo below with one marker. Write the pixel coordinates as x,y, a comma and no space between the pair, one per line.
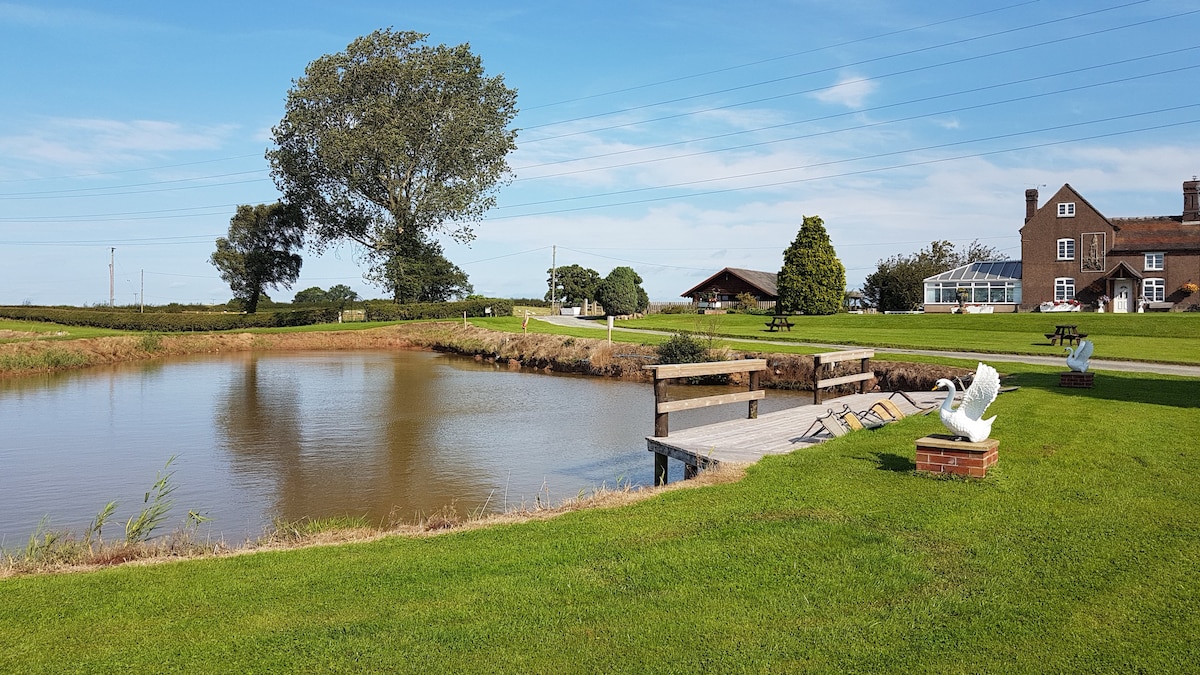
392,436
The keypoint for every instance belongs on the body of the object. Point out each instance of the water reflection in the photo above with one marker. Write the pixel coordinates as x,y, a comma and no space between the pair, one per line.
279,435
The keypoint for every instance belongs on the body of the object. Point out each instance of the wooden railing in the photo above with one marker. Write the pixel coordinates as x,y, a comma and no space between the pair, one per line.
820,361
663,406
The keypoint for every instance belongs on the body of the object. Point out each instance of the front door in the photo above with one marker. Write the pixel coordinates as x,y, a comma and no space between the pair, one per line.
1122,296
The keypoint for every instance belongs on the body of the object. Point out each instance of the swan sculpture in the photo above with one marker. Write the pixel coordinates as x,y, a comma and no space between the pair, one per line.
1077,358
967,420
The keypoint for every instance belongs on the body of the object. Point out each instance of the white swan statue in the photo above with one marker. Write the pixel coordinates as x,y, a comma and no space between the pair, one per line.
1077,358
967,420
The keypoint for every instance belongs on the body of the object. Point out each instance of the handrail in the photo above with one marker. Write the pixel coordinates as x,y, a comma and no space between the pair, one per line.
665,372
830,358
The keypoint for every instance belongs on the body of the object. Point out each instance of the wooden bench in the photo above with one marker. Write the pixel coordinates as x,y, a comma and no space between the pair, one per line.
663,406
820,361
779,323
1068,338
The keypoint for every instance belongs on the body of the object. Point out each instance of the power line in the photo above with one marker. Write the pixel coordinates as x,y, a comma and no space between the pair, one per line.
909,71
814,50
843,66
924,99
842,175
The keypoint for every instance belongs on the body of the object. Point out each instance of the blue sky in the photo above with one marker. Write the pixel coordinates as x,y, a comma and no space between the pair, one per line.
673,137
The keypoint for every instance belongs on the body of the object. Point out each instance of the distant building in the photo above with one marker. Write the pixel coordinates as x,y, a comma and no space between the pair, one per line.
994,286
1071,251
726,285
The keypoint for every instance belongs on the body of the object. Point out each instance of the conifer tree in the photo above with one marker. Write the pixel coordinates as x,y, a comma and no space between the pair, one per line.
813,280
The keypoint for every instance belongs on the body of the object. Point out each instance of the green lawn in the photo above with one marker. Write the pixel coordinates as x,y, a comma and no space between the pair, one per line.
1143,337
52,330
1077,554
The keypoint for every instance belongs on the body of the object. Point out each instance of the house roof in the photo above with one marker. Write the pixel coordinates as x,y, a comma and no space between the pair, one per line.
765,282
994,270
1155,233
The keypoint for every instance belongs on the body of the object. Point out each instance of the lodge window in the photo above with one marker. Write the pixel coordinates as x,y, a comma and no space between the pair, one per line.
1154,290
1066,249
1154,262
1064,289
1066,209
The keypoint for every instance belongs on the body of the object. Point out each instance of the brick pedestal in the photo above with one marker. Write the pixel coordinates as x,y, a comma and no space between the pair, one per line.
1074,379
940,453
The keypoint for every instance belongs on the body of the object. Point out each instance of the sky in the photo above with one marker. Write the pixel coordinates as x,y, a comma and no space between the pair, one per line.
676,138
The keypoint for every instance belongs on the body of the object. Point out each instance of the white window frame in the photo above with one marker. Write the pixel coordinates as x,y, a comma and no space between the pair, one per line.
1154,262
1154,290
1066,249
1066,209
1064,289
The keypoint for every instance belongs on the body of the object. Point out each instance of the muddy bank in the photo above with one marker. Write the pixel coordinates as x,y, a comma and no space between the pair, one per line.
549,353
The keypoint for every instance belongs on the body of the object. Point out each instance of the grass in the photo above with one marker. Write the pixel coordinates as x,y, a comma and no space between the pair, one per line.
52,331
1143,337
1076,554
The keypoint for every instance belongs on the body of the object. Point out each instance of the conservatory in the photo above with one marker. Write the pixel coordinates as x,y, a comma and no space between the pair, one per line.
976,288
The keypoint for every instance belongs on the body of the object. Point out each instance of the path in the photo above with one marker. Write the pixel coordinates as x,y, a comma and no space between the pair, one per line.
1032,359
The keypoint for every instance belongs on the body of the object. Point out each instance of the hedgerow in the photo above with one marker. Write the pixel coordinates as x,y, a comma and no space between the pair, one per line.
168,322
379,310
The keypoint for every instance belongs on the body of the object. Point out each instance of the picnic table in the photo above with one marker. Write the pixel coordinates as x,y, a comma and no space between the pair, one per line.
779,323
1067,333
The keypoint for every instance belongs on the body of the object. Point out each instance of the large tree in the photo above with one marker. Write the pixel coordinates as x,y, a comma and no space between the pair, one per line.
259,251
572,284
391,139
812,280
417,271
621,292
897,282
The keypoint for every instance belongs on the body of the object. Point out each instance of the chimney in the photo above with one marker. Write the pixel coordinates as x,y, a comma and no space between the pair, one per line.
1031,199
1191,200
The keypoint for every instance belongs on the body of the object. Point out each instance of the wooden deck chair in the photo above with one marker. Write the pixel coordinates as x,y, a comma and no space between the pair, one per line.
887,411
855,420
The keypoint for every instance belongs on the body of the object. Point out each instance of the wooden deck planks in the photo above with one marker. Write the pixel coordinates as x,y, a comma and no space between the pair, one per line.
749,440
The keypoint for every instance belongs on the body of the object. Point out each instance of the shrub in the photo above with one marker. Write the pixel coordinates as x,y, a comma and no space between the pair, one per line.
168,322
680,348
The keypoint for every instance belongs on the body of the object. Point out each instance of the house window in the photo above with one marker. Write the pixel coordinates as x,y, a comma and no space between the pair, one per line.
1154,262
1064,289
1154,290
1066,249
1066,209
977,292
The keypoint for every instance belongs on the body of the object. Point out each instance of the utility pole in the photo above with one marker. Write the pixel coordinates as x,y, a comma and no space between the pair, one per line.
553,273
112,287
143,296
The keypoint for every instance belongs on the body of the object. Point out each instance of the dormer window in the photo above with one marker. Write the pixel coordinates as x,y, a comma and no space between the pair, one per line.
1066,209
1066,249
1154,262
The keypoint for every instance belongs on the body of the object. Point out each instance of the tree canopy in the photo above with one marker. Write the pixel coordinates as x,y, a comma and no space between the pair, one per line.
392,140
813,279
338,294
621,292
897,282
572,284
259,251
416,271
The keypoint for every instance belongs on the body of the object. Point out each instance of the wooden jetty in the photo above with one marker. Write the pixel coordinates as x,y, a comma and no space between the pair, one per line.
749,440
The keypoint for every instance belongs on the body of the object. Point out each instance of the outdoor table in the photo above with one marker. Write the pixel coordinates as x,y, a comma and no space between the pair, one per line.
779,323
1066,333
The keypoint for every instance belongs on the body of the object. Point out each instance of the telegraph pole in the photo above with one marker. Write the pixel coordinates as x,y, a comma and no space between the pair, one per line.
112,287
143,295
553,273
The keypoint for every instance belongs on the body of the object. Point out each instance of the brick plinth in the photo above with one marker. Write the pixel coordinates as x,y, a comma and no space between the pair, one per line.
1074,379
940,453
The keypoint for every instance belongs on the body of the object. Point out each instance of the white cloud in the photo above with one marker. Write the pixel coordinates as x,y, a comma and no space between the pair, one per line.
83,143
850,91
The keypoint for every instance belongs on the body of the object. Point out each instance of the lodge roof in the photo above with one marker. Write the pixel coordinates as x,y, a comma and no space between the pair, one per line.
765,282
1155,233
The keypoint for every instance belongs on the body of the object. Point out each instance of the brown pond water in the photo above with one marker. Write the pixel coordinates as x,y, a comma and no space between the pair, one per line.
314,434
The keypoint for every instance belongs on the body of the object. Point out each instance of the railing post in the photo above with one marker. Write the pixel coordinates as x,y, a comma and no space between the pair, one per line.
865,368
661,425
754,386
816,379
